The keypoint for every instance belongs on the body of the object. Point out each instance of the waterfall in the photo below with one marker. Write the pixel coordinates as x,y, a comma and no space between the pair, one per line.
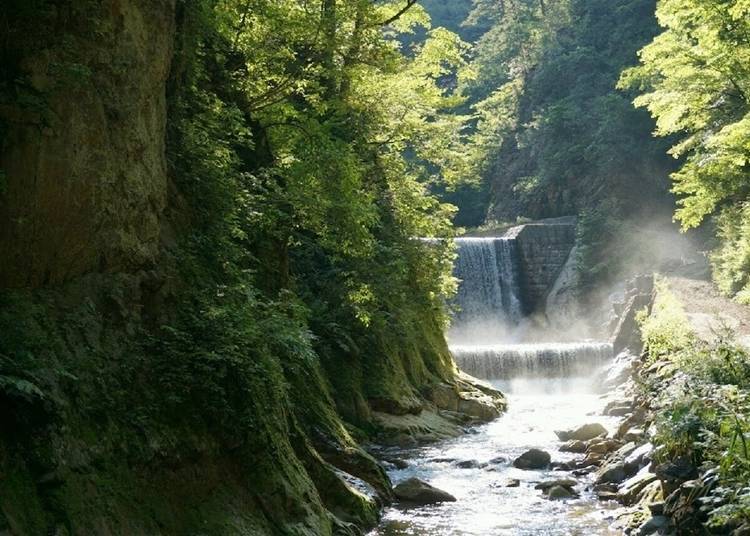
488,290
558,360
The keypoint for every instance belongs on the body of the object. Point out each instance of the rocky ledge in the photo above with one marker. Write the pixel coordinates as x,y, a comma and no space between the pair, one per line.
444,411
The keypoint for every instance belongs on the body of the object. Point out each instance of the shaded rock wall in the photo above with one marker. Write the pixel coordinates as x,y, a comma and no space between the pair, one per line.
85,173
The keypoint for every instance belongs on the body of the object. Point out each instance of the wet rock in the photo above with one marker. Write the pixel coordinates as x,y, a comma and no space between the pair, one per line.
532,459
510,483
560,466
443,460
607,495
582,433
584,471
611,472
604,446
632,487
574,445
559,492
416,491
467,464
653,525
568,483
606,487
498,460
397,463
639,457
402,406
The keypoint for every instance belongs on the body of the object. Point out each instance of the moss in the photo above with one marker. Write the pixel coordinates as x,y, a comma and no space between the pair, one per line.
21,510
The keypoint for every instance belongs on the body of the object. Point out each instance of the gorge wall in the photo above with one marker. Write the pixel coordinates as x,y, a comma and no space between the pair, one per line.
147,385
85,163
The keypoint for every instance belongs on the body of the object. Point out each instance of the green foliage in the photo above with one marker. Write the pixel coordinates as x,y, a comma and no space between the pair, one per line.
666,330
553,136
706,420
597,235
694,80
293,161
731,260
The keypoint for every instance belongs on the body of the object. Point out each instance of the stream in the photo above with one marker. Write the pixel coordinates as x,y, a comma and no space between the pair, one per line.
549,386
484,505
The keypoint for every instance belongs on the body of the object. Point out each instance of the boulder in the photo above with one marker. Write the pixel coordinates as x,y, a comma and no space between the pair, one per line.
559,492
568,483
416,491
639,457
585,432
618,411
674,473
604,446
533,459
626,450
653,525
584,470
611,472
397,463
574,445
467,464
632,487
635,435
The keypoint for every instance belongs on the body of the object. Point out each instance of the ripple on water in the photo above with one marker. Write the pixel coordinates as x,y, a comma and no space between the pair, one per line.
484,507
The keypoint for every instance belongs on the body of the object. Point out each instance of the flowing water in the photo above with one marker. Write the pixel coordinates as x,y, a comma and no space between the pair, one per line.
549,387
532,361
488,298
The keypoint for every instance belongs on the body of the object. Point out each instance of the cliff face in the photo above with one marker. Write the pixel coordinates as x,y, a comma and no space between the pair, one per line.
86,177
139,393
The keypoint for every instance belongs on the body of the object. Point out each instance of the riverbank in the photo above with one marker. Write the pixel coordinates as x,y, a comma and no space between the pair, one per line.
687,468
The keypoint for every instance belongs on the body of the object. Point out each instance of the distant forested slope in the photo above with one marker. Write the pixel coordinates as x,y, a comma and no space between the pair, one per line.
560,137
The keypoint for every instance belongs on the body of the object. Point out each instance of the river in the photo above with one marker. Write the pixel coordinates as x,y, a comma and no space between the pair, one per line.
549,387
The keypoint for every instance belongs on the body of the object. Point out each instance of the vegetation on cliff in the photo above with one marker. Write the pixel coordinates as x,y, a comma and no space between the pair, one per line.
223,313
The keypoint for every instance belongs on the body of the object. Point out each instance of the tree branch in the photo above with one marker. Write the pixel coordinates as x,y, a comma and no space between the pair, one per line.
394,18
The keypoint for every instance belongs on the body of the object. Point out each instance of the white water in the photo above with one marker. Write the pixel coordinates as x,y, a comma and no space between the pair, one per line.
488,296
549,386
484,507
503,361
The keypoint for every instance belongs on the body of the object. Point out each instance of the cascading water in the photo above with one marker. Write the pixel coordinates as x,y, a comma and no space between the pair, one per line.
549,386
487,269
488,303
503,362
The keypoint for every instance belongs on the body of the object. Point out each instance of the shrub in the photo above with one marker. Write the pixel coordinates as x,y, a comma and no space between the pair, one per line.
666,330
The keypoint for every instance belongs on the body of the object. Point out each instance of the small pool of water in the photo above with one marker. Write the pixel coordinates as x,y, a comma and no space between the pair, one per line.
484,506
